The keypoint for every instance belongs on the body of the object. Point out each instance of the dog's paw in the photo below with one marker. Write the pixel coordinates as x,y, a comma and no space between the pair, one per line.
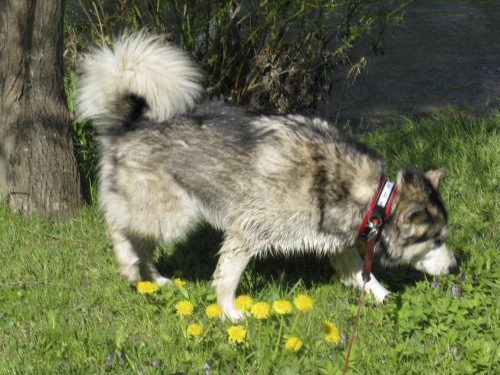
234,315
378,291
130,272
381,298
380,294
161,281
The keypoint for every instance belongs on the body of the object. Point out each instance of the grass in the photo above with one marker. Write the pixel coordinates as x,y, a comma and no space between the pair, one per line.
64,310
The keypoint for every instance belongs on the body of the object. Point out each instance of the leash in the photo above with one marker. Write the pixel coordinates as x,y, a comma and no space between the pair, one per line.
368,235
346,363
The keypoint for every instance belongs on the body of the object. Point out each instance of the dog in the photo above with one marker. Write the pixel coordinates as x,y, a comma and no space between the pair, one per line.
271,183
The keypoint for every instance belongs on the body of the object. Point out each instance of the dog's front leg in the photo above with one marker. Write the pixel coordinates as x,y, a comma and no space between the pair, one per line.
349,265
234,257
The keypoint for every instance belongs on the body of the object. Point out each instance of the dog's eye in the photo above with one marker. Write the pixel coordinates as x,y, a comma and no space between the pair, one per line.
438,242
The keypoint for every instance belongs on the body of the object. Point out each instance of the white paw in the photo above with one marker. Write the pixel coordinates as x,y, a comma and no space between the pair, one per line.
161,281
381,297
234,315
379,292
130,272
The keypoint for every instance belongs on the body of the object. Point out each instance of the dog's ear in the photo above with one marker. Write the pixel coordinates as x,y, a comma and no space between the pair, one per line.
435,177
414,222
401,178
417,214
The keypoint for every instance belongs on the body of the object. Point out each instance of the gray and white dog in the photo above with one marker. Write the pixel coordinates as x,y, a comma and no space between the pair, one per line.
271,183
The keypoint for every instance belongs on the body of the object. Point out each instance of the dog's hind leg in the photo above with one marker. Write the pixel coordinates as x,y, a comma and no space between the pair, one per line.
234,257
135,258
126,256
349,265
145,248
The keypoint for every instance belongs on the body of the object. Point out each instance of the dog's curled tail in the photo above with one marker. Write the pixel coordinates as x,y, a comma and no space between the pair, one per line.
137,74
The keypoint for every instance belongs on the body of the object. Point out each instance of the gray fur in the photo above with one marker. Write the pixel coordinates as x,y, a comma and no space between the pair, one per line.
271,183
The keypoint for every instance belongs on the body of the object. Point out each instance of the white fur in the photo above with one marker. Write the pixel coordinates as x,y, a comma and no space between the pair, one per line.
435,260
349,265
163,75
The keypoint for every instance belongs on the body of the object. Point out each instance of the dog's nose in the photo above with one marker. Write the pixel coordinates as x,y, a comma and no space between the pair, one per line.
453,268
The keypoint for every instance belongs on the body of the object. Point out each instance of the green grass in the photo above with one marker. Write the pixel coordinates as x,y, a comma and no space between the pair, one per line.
64,310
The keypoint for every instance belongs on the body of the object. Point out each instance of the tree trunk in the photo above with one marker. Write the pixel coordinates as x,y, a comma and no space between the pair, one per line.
38,171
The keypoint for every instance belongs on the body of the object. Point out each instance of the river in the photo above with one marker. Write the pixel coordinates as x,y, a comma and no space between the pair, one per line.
446,55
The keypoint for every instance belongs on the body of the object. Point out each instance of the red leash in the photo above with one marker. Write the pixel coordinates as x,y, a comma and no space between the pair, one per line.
368,235
346,364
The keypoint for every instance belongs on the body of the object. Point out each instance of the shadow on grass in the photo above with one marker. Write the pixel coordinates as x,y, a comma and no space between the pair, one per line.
195,259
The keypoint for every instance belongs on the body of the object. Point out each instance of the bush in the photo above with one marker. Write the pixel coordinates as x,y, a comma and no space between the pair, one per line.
275,55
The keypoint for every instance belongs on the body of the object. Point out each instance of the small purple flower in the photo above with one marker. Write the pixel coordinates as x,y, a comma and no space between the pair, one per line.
12,323
208,367
155,363
477,278
332,357
455,291
341,301
343,339
435,285
110,360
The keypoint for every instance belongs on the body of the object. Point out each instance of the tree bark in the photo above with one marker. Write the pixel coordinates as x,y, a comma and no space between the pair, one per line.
38,170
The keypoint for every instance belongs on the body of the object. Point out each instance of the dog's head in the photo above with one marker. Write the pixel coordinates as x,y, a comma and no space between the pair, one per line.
416,230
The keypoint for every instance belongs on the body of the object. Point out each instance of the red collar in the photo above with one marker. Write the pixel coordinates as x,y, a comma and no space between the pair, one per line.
374,222
380,207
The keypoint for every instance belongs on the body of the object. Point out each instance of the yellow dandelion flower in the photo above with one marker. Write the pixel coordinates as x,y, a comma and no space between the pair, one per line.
294,344
180,282
332,333
147,287
184,307
237,334
244,303
213,311
195,329
282,307
303,302
261,310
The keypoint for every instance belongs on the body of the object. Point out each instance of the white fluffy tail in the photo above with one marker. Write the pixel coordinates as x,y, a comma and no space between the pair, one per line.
137,67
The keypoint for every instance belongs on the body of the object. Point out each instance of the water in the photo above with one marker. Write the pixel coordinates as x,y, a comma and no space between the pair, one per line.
445,56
